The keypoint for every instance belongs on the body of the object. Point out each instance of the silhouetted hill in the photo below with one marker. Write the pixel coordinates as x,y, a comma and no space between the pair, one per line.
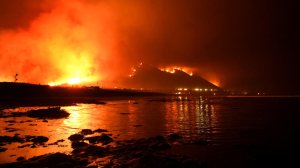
149,77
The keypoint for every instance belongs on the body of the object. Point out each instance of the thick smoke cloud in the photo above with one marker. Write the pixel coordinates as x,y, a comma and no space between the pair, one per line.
67,41
242,44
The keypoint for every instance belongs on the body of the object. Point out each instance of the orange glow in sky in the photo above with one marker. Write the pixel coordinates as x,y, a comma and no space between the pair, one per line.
73,44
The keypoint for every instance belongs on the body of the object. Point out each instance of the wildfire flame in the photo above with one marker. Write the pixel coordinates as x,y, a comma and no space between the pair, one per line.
70,45
172,69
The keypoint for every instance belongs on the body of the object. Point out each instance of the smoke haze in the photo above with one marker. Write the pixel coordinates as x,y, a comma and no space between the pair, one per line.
241,44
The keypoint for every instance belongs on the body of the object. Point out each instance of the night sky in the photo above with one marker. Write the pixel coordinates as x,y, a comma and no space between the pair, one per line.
248,45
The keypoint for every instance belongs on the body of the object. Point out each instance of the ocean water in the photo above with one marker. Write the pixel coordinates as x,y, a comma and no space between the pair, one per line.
233,121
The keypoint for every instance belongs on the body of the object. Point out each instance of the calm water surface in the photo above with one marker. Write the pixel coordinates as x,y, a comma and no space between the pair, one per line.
221,121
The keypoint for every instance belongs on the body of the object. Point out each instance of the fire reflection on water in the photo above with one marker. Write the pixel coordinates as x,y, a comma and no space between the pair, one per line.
190,116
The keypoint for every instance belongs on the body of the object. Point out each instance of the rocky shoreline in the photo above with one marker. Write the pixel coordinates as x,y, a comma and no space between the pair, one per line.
98,149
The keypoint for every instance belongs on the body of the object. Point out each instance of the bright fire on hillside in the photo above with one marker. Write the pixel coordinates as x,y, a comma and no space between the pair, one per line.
71,45
172,69
188,70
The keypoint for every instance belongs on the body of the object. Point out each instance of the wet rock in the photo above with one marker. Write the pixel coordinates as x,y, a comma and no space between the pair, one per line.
21,158
100,130
56,160
9,139
174,137
3,149
50,113
61,140
93,150
24,146
104,139
86,132
77,144
76,137
40,139
56,142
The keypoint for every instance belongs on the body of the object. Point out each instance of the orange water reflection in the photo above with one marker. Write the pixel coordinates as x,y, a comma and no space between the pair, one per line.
190,116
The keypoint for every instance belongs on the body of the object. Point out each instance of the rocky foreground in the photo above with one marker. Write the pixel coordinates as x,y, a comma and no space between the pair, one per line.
98,149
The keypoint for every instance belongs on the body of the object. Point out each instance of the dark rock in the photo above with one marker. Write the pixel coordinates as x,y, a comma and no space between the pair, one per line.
100,130
86,132
77,144
45,120
163,146
104,139
56,160
76,137
7,139
28,138
160,138
61,140
174,137
39,139
3,149
50,113
21,158
93,150
23,146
